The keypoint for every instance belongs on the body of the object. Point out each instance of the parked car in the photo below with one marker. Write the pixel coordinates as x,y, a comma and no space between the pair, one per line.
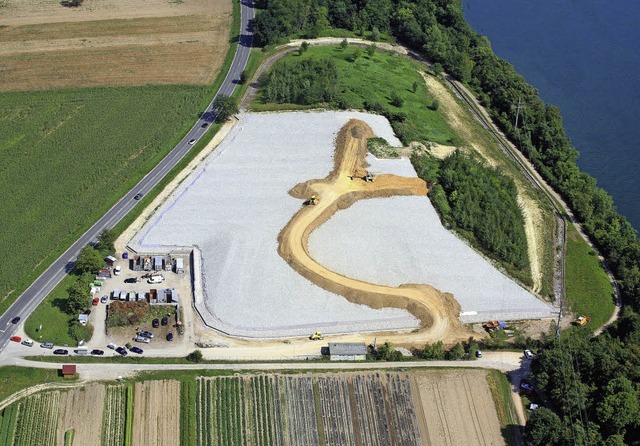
155,323
47,345
61,351
528,354
146,334
16,338
131,280
27,342
142,339
155,279
137,350
15,320
122,351
526,387
111,346
104,299
117,270
87,312
95,301
478,353
164,321
97,352
169,336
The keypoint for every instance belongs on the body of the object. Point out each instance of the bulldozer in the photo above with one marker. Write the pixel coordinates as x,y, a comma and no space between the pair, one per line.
582,320
366,176
312,201
317,336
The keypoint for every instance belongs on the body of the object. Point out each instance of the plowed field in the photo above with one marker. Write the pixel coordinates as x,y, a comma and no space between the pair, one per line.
112,42
81,410
156,413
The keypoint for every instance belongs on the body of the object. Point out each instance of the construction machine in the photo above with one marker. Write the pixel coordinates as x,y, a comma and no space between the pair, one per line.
363,175
317,336
491,326
312,201
583,320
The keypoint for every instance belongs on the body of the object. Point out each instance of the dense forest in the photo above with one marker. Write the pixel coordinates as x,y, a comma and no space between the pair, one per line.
304,82
437,29
593,385
590,386
472,197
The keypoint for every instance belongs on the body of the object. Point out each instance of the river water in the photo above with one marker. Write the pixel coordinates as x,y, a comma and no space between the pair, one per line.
583,57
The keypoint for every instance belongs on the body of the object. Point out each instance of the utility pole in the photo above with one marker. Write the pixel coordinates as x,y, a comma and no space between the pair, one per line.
518,107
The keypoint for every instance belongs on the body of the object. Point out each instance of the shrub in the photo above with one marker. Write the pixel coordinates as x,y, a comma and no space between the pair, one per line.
194,356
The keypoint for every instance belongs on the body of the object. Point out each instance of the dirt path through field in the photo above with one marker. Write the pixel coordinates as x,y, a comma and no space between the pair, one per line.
533,219
438,312
156,413
81,409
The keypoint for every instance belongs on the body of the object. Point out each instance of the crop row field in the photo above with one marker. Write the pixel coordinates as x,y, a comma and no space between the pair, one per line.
324,409
331,410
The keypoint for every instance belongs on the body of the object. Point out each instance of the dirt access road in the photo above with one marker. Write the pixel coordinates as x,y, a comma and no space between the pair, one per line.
438,312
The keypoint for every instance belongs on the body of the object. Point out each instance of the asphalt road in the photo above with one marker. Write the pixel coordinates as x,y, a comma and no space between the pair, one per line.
43,285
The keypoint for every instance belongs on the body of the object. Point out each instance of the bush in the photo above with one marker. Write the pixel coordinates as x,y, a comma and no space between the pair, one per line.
80,332
194,356
396,100
302,82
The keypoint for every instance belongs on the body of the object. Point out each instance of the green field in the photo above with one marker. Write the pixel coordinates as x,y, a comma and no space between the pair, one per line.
13,379
373,79
588,289
68,155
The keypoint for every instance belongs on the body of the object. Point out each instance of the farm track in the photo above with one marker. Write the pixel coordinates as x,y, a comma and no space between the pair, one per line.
438,312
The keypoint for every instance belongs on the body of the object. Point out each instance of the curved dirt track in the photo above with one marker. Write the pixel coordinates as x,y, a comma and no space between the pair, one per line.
438,312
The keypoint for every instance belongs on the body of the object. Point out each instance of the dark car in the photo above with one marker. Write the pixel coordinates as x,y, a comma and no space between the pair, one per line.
138,196
169,336
526,387
122,351
205,125
104,299
137,350
87,312
61,351
164,321
131,280
155,323
15,320
97,352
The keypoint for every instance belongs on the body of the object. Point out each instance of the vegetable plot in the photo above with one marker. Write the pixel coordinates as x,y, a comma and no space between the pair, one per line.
38,419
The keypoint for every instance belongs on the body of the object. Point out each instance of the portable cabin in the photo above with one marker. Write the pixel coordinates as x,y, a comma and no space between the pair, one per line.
180,265
157,263
123,295
167,263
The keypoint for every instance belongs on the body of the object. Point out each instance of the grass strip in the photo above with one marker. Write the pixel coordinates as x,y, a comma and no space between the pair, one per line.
128,430
68,437
187,412
507,415
588,289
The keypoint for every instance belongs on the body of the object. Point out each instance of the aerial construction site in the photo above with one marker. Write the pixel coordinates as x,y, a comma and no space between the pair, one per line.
314,238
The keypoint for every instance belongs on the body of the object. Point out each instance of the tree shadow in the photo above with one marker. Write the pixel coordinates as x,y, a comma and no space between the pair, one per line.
71,3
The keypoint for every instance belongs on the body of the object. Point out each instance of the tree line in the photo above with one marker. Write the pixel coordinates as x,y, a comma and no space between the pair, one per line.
474,198
438,30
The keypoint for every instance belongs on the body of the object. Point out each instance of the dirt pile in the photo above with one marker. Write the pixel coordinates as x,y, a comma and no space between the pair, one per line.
438,312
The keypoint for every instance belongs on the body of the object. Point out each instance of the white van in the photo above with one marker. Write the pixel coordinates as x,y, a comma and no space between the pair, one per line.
155,279
117,270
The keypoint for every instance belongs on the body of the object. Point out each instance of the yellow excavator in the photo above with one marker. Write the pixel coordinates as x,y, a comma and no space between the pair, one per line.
312,201
583,320
317,336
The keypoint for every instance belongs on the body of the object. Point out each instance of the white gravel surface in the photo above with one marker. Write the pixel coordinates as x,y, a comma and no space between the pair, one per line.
234,206
400,240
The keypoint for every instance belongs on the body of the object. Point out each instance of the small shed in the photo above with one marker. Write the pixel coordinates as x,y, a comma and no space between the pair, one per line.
167,263
132,296
161,298
68,371
146,264
157,263
171,295
141,296
180,265
347,351
110,260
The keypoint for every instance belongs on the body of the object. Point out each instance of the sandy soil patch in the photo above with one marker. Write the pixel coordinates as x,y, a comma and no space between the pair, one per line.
81,409
184,48
156,413
440,151
458,408
531,212
437,312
